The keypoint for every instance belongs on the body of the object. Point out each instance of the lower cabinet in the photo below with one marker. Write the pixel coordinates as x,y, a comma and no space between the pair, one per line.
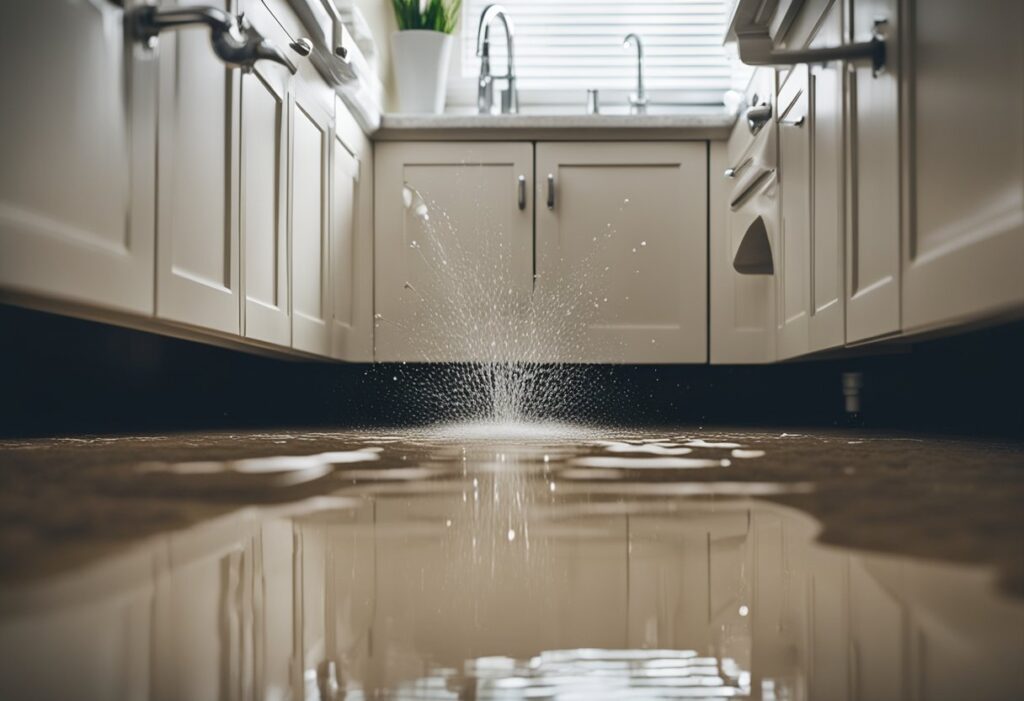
873,225
743,238
453,247
351,249
197,262
614,270
622,251
263,192
794,255
77,152
827,301
310,196
964,243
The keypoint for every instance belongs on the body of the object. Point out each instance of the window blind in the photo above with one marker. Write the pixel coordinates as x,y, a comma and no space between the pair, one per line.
573,45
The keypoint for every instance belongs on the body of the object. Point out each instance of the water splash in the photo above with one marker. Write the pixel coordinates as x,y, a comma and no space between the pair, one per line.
506,342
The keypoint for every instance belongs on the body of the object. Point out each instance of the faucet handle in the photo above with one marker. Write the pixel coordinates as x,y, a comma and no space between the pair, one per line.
509,100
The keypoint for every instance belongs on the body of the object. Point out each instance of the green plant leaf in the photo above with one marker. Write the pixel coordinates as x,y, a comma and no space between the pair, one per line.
436,15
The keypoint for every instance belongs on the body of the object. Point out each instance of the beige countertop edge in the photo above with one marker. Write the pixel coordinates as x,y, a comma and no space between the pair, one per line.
565,127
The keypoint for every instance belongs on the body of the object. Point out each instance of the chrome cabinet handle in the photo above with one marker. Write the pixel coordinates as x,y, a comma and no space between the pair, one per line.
758,116
234,40
302,46
522,192
551,191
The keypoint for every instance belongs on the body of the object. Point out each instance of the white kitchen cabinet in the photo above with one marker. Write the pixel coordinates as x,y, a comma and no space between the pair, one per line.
453,239
744,206
197,265
964,243
77,147
351,240
263,190
794,255
873,225
312,114
827,304
622,250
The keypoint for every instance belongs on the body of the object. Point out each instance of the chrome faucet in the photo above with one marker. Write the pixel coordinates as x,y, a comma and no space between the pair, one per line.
485,84
638,100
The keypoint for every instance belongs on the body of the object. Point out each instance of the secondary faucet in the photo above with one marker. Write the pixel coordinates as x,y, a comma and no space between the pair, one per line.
485,84
638,100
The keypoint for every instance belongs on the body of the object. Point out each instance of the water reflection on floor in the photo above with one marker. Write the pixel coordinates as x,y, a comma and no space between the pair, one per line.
515,563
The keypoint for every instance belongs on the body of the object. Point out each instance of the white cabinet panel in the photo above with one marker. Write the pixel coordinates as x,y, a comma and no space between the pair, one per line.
965,241
351,241
450,238
743,305
623,249
827,307
310,218
263,178
197,217
794,256
873,242
77,147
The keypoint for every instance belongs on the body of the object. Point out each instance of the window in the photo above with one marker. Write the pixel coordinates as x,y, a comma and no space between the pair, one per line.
564,47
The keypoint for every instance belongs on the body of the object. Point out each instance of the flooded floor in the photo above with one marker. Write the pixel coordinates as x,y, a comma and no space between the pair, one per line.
516,562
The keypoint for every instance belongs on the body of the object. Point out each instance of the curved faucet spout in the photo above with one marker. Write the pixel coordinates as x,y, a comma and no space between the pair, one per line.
485,90
639,100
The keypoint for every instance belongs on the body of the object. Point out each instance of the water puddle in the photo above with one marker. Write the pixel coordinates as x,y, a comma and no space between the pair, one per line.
517,562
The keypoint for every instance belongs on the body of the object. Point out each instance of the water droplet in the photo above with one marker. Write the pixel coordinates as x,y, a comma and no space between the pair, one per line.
448,522
634,250
551,486
511,535
744,610
395,378
652,340
643,243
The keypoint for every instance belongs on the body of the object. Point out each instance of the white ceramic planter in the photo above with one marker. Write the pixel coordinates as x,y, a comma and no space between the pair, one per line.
421,69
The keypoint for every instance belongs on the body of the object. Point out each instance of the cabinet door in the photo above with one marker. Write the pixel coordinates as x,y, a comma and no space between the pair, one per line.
826,326
453,248
351,241
197,217
310,215
262,182
742,306
77,147
873,243
965,241
795,186
622,251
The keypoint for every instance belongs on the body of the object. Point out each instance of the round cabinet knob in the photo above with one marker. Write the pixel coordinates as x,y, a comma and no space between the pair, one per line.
302,46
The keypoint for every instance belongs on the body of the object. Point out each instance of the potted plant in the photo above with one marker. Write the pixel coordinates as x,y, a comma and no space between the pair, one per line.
421,50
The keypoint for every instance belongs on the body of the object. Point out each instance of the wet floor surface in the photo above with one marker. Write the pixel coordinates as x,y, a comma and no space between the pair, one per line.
515,562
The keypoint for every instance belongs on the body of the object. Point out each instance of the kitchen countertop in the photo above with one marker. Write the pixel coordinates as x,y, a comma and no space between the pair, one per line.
694,124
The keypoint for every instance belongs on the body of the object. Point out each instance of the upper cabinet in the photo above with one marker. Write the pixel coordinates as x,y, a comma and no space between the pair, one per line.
622,252
453,248
197,205
964,243
874,224
77,147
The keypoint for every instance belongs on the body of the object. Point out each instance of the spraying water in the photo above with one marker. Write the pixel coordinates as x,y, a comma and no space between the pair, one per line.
507,341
